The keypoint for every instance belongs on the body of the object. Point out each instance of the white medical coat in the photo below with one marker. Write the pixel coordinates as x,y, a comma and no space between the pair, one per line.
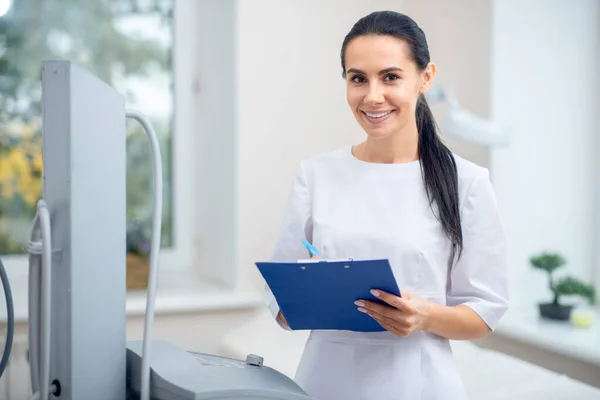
351,208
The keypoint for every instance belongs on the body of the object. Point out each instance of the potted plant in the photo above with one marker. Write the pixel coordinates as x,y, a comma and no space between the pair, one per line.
138,256
565,286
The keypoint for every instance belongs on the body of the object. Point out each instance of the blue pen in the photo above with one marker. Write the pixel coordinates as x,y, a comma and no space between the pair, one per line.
312,250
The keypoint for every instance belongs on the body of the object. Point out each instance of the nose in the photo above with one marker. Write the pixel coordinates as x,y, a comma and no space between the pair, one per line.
375,95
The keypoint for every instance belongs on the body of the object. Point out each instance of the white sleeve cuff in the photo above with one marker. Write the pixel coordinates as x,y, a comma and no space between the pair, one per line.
490,313
274,308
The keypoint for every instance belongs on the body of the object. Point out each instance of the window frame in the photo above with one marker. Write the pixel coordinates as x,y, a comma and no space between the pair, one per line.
596,266
180,255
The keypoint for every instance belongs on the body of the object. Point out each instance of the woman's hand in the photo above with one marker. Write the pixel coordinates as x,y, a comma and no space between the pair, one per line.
282,319
403,316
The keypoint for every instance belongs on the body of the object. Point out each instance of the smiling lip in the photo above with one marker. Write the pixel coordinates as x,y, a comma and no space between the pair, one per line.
377,117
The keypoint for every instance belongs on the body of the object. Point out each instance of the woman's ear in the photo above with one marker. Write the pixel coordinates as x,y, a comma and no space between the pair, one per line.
427,77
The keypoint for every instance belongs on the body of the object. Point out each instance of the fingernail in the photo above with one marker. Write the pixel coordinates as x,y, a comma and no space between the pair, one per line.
375,293
362,310
359,303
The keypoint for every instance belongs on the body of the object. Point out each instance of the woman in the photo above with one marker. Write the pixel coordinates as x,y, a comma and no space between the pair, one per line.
401,195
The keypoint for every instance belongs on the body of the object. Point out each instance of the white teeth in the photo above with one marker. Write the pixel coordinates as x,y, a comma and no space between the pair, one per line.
378,115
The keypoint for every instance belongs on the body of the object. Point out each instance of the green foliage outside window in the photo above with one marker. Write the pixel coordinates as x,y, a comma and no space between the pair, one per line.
128,44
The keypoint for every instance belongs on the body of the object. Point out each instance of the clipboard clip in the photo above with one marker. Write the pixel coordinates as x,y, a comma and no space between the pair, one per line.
322,260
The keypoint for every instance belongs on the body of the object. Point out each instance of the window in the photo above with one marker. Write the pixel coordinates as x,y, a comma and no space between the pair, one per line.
130,44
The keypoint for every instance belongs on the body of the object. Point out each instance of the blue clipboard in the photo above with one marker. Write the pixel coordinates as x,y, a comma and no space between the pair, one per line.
320,294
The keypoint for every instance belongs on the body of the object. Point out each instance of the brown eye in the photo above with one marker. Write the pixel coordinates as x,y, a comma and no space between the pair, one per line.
358,79
391,77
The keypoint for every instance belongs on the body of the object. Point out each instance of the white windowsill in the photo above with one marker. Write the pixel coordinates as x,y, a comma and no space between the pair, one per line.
184,292
523,324
178,292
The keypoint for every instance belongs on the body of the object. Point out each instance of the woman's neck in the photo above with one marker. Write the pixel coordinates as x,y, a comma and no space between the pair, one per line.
394,149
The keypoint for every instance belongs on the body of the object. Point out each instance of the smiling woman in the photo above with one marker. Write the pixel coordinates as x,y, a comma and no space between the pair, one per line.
379,90
400,195
386,63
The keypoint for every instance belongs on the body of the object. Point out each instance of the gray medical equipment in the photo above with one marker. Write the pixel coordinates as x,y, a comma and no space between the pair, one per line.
181,375
77,272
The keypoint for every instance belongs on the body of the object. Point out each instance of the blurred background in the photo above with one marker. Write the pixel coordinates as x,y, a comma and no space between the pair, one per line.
240,91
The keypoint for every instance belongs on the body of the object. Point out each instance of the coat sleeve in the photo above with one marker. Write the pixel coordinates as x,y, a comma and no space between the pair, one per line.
296,225
479,277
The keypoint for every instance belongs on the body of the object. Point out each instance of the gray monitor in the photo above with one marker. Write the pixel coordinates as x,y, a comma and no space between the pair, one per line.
84,145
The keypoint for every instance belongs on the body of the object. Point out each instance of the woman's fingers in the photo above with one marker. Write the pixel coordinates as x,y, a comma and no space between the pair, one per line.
393,300
392,326
383,312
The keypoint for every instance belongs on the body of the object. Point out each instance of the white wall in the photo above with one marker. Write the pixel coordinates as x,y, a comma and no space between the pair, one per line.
544,82
290,105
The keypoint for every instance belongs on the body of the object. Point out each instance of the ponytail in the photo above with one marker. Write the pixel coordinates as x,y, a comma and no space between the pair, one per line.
440,176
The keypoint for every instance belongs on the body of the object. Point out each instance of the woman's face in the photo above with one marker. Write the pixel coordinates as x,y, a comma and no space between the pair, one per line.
383,84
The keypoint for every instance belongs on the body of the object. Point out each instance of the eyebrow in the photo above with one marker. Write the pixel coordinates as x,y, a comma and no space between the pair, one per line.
382,72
